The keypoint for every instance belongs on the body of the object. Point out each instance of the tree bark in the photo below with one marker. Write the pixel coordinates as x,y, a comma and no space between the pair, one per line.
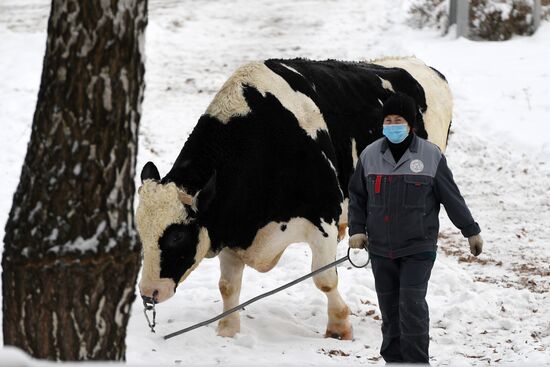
71,254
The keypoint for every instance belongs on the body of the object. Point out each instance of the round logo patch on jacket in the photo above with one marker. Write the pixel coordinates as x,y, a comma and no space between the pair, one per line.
417,166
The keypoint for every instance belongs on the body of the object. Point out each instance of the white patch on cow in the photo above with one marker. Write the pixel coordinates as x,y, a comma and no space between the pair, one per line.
292,69
344,215
439,100
345,203
354,155
159,206
386,84
329,163
333,169
323,250
231,275
270,241
230,102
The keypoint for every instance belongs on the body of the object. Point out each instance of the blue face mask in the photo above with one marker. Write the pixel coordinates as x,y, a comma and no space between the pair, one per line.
396,133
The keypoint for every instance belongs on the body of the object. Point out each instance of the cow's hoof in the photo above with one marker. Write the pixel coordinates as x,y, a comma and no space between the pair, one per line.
227,333
342,332
228,328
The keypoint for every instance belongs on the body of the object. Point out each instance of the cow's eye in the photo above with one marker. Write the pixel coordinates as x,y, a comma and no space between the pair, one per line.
178,237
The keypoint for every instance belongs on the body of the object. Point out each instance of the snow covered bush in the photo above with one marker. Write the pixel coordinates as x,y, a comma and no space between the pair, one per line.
494,20
429,13
498,20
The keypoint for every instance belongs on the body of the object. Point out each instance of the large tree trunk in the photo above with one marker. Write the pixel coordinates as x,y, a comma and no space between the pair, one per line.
71,252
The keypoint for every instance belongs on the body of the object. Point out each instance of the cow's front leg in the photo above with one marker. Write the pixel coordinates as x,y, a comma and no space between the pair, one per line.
231,267
324,252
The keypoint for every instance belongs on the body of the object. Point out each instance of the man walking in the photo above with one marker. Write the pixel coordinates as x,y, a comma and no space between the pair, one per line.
395,195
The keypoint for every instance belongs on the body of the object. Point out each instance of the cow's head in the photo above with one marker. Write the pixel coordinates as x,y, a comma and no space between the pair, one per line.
173,242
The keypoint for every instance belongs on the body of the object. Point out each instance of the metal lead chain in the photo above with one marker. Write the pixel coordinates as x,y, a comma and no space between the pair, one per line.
149,305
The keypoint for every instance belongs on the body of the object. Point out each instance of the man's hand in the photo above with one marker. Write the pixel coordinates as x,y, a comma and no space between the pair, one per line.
358,240
476,244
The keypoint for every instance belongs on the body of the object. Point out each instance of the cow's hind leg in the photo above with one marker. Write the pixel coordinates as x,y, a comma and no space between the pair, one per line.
323,252
231,267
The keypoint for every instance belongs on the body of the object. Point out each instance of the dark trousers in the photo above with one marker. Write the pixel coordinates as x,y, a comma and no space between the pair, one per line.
401,285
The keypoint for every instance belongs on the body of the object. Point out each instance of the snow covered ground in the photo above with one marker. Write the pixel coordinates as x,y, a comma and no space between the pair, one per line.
490,310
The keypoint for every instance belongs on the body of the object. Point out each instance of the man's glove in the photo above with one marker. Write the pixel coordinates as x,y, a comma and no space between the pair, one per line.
358,240
476,244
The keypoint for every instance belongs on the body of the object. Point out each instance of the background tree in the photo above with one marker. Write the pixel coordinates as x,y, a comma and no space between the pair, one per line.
71,253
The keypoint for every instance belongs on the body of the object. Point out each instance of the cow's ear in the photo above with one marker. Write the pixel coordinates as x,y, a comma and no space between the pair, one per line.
150,172
204,197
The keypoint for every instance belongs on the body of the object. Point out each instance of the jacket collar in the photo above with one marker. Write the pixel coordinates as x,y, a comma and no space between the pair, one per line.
388,156
413,147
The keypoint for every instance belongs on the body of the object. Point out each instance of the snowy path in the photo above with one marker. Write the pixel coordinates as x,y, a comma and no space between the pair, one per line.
486,311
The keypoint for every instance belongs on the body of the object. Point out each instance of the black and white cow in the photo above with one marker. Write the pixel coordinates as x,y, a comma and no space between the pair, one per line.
268,165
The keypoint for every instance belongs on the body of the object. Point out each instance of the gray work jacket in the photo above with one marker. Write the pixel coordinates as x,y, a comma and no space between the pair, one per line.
397,204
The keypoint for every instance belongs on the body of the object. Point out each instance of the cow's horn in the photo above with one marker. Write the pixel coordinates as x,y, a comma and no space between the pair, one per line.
185,198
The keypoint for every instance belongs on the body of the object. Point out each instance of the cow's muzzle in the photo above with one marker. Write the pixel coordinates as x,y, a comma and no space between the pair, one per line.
151,300
157,291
